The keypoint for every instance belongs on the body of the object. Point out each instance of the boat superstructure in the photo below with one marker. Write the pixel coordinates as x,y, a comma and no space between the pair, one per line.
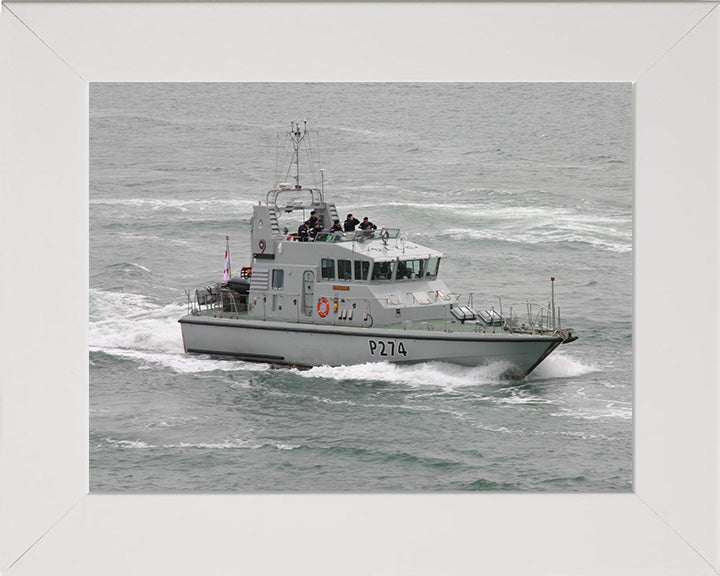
339,298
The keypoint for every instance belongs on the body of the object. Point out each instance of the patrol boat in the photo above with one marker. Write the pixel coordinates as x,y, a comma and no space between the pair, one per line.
342,298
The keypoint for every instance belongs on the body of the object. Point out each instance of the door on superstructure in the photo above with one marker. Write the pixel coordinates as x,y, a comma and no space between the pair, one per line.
308,292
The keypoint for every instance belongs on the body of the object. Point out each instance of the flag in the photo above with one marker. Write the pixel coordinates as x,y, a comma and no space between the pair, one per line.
226,273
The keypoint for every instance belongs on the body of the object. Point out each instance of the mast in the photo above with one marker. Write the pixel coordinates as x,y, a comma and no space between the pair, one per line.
297,136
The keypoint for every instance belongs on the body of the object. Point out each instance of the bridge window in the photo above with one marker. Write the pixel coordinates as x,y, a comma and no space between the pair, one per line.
362,269
432,268
278,278
407,269
344,270
327,269
382,271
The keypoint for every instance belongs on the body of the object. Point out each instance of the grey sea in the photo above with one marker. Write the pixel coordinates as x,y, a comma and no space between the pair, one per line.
514,183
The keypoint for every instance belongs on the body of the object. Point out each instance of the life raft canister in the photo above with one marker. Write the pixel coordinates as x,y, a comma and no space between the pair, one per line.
323,307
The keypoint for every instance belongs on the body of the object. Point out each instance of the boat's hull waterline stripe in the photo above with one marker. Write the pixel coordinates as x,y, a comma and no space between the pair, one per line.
243,355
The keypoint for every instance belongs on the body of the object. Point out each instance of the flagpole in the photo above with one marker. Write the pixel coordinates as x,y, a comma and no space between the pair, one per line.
227,274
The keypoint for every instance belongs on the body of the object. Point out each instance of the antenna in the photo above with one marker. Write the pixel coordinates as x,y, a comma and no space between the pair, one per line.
322,181
552,288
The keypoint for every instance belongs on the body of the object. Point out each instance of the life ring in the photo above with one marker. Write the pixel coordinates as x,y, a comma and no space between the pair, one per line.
293,236
323,307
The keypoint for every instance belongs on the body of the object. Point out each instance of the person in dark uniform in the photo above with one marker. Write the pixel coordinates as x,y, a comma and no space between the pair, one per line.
303,233
336,226
312,221
367,225
314,231
402,271
350,223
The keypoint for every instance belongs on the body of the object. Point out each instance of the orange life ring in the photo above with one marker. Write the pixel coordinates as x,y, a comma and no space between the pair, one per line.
323,307
293,236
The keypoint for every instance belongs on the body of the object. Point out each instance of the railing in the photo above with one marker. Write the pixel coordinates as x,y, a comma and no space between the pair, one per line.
215,297
536,318
384,234
527,317
203,298
316,198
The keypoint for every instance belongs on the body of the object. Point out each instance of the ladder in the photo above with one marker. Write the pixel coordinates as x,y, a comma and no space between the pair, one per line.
274,224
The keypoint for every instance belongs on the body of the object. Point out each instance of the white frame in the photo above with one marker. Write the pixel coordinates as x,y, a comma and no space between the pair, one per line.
48,522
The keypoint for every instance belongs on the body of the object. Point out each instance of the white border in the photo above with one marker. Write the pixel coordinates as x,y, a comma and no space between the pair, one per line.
48,523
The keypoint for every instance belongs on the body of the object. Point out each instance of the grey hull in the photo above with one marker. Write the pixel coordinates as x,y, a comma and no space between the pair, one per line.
313,345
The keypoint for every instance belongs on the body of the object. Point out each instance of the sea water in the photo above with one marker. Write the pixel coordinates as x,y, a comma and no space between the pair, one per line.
514,183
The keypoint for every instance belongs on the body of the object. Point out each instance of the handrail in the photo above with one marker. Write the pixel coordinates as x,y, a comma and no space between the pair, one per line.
537,317
316,198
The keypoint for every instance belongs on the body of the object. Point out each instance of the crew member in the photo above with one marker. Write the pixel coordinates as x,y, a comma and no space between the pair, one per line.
312,221
350,223
314,231
336,226
303,233
367,225
403,271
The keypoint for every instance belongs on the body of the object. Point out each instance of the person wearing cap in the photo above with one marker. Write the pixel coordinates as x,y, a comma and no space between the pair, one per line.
312,221
303,233
336,226
367,225
350,223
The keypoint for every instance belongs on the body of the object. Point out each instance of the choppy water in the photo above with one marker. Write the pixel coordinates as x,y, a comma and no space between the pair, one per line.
514,182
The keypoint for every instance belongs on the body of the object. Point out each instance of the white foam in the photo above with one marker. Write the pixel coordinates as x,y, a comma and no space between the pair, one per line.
138,333
181,362
131,326
523,399
437,374
559,365
533,215
534,224
227,444
184,205
449,376
554,235
153,238
130,443
107,305
612,412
